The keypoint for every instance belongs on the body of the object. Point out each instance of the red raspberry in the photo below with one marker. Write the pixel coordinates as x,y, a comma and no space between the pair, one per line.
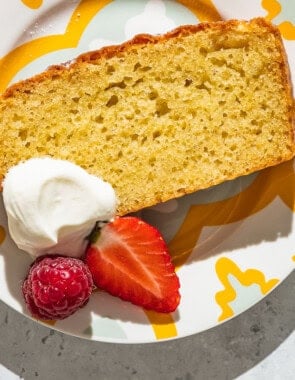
56,287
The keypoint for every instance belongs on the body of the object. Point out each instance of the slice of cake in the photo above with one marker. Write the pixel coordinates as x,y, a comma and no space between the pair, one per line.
159,117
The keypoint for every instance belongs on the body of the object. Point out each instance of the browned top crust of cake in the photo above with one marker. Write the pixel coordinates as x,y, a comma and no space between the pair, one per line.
160,116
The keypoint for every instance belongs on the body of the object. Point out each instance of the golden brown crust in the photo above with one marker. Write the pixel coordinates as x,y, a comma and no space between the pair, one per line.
141,41
144,39
286,74
285,70
187,191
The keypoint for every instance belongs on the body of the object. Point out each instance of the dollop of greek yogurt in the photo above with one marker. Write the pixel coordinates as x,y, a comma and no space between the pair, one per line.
52,206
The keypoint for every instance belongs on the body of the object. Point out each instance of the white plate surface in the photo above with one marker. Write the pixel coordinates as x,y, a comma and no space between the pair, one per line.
239,236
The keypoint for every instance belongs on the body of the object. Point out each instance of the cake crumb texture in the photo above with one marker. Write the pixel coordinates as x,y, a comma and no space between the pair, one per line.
159,117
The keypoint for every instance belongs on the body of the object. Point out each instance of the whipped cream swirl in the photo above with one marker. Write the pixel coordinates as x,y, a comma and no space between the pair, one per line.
52,206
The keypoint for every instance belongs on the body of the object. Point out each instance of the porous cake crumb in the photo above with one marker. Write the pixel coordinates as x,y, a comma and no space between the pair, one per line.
159,117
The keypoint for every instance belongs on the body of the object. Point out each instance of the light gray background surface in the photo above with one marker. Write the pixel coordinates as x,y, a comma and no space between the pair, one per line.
257,345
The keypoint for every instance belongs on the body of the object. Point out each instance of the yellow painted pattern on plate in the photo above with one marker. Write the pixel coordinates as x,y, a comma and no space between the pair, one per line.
293,258
274,8
48,322
270,183
204,9
34,4
288,30
2,234
224,267
236,208
162,324
22,55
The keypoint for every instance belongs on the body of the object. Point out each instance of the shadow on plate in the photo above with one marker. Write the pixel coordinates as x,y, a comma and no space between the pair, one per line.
253,209
197,227
16,264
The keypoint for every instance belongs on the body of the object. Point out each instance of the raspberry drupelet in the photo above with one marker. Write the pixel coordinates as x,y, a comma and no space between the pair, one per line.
56,287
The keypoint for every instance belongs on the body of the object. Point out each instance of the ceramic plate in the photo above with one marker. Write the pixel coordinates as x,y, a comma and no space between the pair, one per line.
232,244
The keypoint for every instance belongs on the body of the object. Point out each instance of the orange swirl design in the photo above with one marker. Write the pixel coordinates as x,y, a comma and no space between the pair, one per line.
205,10
22,55
272,182
224,267
274,8
48,322
162,324
2,234
33,4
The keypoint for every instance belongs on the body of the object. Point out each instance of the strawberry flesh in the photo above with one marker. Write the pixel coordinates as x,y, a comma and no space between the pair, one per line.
130,260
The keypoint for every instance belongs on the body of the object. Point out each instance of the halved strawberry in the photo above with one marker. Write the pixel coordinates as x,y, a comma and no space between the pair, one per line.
130,260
